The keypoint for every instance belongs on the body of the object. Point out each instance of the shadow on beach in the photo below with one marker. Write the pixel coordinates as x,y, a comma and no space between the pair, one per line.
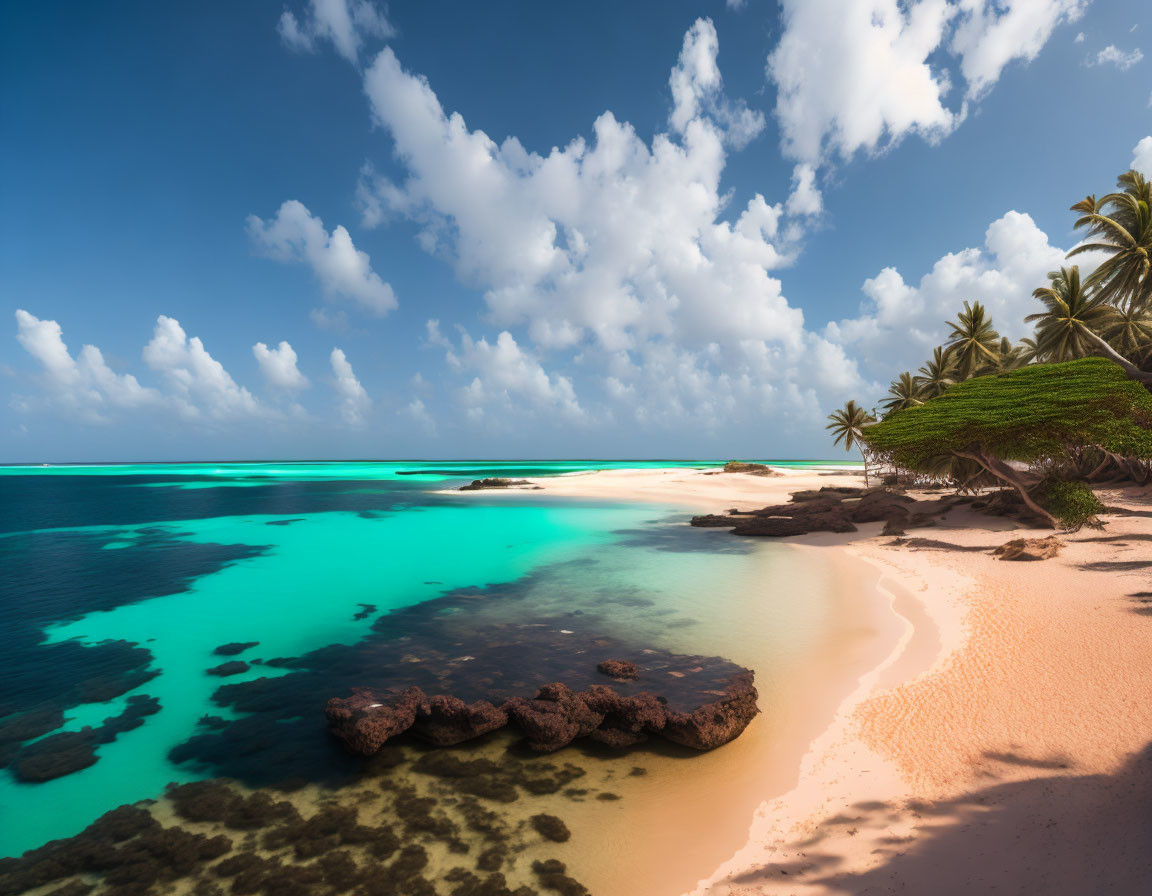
1057,834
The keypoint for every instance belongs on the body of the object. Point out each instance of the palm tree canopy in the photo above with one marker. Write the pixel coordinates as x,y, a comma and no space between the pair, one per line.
1070,317
1129,331
904,392
974,342
937,374
1120,226
848,423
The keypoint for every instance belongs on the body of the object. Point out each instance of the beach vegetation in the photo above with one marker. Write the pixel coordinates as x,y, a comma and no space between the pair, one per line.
1072,503
1037,414
847,425
1065,407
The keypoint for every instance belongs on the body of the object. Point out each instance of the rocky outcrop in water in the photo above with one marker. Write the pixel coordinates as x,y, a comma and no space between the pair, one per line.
550,720
617,669
736,466
496,482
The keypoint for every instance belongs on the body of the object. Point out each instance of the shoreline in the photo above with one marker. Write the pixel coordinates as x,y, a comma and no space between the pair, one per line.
1013,712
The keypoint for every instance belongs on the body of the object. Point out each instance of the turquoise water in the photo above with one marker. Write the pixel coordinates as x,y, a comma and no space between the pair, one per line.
177,560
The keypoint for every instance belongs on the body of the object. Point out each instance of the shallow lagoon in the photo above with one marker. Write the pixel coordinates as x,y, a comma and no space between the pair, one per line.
180,559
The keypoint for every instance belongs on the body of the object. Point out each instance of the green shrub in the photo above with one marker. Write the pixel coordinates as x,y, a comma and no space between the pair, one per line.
1073,503
1024,415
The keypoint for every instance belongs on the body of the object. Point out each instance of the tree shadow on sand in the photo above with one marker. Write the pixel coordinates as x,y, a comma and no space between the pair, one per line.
1058,834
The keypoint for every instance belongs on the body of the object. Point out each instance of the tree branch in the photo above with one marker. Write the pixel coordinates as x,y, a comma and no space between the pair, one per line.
1001,470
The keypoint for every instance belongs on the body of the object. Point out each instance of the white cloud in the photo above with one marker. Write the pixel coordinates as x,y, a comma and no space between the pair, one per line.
900,323
697,90
992,33
805,198
506,373
295,234
199,385
1142,157
736,4
1079,38
850,76
1112,55
84,385
860,75
610,255
609,239
354,401
279,366
343,22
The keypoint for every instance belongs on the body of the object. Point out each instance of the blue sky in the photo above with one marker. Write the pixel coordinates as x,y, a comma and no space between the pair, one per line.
771,208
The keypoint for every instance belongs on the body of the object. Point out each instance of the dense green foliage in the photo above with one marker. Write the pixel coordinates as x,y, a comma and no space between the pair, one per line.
1073,503
1026,414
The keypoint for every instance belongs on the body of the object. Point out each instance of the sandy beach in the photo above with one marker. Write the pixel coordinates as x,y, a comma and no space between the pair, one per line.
998,744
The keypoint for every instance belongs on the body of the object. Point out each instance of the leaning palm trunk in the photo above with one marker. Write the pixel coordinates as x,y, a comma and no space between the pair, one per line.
1134,372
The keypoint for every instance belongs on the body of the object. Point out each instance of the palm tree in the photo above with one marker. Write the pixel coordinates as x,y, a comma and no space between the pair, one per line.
1070,327
1008,357
1129,331
1120,226
905,394
1029,351
936,374
975,343
1066,329
847,424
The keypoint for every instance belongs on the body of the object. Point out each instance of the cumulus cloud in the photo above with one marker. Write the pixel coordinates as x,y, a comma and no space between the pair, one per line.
279,366
611,254
899,322
1142,157
199,386
506,373
697,89
1112,55
296,235
85,385
608,239
992,33
805,198
354,400
863,74
343,22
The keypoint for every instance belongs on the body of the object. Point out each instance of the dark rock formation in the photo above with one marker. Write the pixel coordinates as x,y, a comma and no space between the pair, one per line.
235,667
842,508
445,720
618,669
1029,549
496,482
482,646
235,647
552,719
735,466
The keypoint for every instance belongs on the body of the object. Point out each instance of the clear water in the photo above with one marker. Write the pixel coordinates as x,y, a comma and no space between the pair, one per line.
178,560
